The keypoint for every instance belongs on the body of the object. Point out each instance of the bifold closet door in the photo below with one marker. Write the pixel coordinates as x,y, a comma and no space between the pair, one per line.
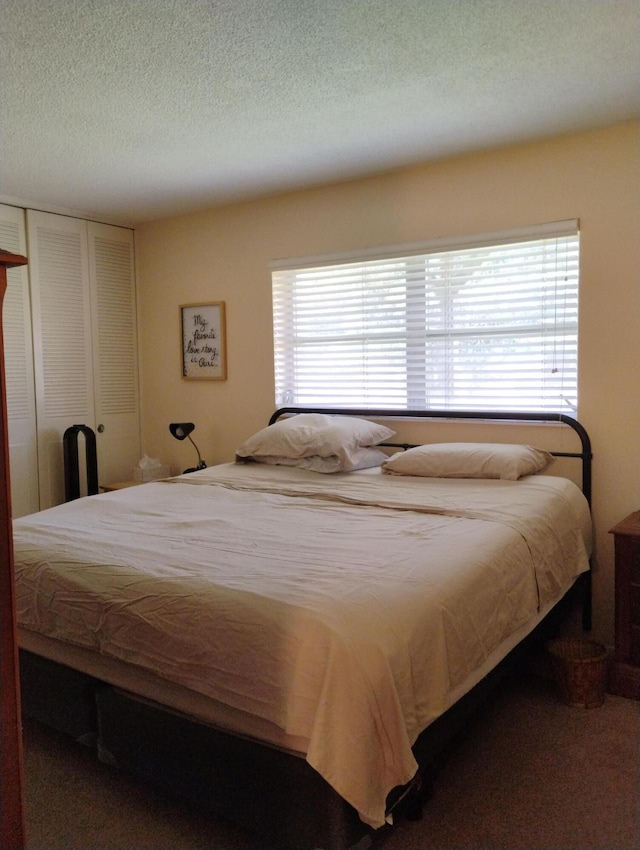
115,350
85,350
63,356
21,410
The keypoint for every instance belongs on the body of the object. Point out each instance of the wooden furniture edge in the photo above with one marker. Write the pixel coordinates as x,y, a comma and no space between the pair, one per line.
624,680
12,824
624,676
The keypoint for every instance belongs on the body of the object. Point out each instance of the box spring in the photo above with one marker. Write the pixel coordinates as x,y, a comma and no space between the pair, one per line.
273,793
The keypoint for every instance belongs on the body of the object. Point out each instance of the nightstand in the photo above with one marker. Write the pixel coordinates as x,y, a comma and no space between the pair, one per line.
118,485
624,678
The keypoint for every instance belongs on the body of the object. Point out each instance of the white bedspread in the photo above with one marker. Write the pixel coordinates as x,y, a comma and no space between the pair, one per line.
343,608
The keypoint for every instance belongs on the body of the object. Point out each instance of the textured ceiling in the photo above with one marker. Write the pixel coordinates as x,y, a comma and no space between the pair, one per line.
130,110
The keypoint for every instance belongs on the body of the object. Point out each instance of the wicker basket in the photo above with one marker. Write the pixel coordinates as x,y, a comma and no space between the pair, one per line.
579,670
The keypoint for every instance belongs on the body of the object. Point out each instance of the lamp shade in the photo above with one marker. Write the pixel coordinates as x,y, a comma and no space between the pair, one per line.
181,430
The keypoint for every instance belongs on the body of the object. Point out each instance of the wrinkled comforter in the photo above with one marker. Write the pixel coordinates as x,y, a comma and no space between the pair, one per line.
345,609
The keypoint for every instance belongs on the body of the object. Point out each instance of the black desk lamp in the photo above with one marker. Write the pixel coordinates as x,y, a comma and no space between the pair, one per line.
180,430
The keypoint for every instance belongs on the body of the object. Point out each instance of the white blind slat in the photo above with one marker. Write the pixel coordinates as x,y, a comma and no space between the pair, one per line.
486,326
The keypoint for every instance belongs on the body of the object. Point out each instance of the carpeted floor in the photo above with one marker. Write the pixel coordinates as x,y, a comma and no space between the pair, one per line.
531,773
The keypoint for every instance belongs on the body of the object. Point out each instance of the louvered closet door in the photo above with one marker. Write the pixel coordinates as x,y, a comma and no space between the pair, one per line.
21,410
63,361
115,364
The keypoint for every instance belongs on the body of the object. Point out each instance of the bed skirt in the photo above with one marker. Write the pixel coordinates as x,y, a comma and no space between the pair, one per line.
273,793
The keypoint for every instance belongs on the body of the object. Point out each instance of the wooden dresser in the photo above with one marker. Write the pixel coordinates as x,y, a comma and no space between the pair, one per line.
624,678
12,826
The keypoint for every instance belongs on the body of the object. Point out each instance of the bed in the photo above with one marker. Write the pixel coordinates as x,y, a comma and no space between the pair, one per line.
290,648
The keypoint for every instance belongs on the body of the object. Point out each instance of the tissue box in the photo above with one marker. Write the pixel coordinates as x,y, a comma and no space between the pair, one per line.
150,473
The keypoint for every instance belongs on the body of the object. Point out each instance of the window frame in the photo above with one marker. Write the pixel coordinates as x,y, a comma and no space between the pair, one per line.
453,249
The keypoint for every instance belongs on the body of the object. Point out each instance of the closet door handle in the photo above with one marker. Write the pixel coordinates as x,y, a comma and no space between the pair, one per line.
100,429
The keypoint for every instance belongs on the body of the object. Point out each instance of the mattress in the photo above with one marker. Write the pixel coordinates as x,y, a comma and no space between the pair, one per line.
335,615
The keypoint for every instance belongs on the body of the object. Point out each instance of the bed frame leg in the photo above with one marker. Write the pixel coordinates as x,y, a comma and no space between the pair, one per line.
409,806
587,603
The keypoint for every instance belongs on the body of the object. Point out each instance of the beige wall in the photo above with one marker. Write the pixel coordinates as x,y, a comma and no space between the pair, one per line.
223,254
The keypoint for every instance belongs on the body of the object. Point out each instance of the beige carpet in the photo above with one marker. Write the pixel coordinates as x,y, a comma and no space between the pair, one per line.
532,773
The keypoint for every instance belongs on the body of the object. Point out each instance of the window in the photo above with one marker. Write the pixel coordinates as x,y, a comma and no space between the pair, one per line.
487,325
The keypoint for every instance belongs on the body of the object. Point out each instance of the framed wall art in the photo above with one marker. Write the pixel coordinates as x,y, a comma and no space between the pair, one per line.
203,334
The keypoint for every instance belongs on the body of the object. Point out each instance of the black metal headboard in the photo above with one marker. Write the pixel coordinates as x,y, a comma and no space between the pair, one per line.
584,455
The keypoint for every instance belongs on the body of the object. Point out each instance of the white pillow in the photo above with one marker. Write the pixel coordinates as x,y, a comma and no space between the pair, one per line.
364,458
308,434
469,460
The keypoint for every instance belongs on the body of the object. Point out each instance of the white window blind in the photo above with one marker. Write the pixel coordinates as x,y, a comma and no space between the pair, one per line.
492,325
